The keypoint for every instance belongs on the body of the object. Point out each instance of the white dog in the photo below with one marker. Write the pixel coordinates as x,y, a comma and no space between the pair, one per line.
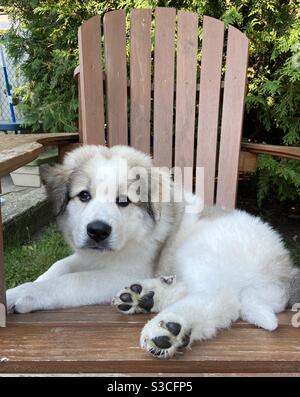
228,264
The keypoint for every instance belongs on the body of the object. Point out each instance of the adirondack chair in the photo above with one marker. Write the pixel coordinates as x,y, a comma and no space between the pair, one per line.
97,338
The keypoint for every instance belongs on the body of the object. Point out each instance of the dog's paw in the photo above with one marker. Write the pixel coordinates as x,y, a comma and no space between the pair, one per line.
26,304
21,299
142,297
134,299
163,337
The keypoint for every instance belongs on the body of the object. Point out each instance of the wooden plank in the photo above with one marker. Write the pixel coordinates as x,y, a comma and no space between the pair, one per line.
232,117
16,158
140,83
247,162
18,150
274,150
83,316
2,276
164,52
103,314
214,375
91,82
209,101
116,77
187,45
96,349
11,141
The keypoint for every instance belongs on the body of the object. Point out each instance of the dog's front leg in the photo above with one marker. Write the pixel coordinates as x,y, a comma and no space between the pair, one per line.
69,264
69,290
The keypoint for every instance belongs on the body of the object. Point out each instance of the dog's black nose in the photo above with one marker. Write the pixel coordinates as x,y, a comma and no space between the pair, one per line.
98,230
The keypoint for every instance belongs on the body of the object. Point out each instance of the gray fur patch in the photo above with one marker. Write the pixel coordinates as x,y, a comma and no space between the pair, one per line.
294,291
56,179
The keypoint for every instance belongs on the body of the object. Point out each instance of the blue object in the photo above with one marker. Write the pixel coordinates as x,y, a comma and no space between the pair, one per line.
12,126
9,97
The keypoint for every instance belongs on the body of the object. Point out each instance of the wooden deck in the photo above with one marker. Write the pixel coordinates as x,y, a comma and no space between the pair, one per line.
96,339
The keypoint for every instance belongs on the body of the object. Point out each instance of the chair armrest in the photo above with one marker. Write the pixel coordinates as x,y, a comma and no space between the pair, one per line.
18,150
290,152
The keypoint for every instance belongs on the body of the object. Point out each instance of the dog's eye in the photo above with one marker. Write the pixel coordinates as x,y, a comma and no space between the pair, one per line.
122,201
84,196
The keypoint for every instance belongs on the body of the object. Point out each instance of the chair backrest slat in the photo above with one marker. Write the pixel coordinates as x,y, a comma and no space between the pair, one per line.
215,142
187,46
164,53
116,77
232,117
140,79
209,101
91,89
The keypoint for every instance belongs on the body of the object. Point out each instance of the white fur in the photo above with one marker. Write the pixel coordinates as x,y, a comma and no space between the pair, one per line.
228,264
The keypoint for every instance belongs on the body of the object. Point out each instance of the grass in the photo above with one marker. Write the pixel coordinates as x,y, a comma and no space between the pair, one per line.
25,262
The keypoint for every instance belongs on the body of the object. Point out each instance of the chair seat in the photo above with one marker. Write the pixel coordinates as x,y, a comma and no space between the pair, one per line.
97,339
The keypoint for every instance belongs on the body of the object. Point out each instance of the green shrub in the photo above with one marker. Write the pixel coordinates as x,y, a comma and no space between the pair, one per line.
46,40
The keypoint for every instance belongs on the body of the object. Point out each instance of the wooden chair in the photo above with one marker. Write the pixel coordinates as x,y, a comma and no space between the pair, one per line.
96,338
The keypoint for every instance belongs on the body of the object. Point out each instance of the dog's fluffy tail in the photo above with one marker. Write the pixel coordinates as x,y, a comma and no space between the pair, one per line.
294,292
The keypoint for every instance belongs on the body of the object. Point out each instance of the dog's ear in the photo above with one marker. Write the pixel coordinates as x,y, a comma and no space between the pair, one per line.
56,179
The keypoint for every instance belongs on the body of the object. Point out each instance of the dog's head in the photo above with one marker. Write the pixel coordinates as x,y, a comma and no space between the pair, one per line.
104,197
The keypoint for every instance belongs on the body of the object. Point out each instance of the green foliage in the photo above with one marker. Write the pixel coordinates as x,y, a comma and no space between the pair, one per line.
278,176
44,37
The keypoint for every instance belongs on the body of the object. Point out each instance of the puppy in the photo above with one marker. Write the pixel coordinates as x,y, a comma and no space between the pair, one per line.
122,219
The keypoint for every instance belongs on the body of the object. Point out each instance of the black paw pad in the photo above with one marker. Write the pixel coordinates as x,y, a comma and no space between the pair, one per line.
163,342
126,297
186,339
174,328
146,302
124,307
137,288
